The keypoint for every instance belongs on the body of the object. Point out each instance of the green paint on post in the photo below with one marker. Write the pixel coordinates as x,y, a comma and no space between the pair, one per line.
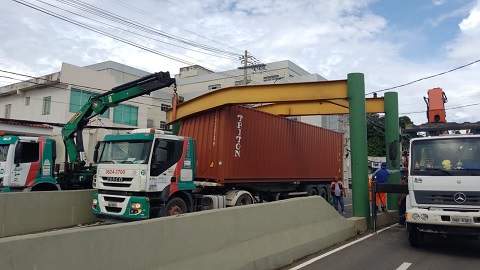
392,134
358,145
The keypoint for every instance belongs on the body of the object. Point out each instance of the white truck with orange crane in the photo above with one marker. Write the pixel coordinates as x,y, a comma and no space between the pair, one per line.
443,176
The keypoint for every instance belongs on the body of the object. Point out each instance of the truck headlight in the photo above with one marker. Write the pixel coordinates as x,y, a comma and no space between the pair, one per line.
424,217
95,203
135,208
416,216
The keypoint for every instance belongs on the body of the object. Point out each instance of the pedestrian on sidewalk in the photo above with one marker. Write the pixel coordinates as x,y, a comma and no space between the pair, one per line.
338,192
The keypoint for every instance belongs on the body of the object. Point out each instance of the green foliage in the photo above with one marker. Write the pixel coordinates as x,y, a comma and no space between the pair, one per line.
376,134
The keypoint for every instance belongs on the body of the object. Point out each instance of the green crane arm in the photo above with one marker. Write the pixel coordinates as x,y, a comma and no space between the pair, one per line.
100,103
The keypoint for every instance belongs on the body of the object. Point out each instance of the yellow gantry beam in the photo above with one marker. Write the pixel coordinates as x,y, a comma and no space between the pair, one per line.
290,98
323,107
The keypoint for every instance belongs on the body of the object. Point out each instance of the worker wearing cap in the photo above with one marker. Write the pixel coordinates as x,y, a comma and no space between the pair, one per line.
381,176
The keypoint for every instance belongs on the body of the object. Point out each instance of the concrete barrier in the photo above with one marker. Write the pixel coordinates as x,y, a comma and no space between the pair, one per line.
260,236
30,212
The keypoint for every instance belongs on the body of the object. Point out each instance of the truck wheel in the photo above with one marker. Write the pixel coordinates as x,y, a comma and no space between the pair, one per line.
244,199
175,206
415,237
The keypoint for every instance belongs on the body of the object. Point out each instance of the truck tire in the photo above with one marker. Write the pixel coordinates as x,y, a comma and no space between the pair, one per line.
312,191
415,237
244,199
175,206
323,193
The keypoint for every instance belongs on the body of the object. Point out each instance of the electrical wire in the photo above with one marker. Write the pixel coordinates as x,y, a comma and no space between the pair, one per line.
425,78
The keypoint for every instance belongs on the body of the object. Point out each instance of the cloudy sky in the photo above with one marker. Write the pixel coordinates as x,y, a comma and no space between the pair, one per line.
393,42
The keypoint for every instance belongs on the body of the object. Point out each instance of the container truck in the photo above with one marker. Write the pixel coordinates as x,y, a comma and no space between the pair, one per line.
231,155
40,164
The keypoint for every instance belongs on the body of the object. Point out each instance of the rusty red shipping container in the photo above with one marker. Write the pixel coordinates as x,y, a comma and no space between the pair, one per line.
236,144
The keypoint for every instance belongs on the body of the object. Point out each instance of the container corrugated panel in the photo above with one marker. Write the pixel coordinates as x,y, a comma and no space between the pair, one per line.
236,144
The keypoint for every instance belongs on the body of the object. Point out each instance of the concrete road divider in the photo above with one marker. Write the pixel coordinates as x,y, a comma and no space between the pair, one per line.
30,212
260,236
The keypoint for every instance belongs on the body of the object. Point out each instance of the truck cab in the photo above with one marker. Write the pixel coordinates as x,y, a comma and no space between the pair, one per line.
27,163
137,173
444,186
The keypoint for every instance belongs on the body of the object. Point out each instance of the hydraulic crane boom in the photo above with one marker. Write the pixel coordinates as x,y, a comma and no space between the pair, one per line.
100,103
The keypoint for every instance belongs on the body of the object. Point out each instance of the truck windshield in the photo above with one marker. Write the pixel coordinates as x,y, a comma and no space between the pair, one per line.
446,156
3,152
133,152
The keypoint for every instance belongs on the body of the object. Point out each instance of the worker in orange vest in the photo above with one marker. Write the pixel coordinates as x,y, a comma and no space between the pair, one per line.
338,192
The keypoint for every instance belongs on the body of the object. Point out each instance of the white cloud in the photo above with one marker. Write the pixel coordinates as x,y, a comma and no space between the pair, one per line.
472,22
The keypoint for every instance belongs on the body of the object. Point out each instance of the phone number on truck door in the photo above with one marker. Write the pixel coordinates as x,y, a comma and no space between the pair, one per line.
114,171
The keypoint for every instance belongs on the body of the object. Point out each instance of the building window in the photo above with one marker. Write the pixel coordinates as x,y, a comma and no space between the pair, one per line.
46,105
163,125
150,123
214,86
8,110
238,83
165,107
27,101
270,78
125,114
79,97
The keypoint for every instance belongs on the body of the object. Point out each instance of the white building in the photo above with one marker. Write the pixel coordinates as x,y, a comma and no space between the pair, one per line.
57,97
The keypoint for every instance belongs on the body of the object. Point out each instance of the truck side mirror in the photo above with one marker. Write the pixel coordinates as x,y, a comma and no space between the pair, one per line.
393,153
18,153
95,152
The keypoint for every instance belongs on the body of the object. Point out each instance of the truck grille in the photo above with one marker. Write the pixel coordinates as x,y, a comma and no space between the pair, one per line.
120,182
472,198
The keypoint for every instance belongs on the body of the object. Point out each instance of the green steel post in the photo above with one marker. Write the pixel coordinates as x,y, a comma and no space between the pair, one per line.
392,134
358,145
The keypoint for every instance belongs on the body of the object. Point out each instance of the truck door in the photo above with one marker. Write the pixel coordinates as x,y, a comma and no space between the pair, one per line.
26,164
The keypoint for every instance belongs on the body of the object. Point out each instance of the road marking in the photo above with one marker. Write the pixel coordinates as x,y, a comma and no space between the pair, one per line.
348,204
338,249
404,266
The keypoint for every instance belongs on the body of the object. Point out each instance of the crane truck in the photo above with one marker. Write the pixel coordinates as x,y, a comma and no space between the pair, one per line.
33,163
228,156
443,177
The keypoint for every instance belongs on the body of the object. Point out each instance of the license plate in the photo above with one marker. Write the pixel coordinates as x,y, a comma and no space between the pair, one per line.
464,220
112,204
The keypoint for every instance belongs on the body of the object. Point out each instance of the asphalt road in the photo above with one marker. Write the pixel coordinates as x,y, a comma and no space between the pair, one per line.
389,249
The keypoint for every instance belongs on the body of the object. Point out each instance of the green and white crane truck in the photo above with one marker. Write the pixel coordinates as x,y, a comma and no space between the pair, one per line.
33,163
227,156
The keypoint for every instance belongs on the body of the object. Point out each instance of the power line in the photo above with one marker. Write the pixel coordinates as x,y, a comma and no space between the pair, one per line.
425,78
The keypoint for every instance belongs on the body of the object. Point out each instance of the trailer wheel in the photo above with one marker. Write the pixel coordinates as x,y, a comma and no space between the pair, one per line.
415,237
324,194
175,206
244,199
313,192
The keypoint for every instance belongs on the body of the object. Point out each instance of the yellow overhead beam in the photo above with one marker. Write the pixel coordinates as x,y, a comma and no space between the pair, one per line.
265,93
324,107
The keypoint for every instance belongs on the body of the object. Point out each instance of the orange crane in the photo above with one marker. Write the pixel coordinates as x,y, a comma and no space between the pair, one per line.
436,105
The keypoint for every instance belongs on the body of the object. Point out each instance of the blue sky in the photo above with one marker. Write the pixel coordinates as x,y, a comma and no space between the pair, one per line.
391,41
426,25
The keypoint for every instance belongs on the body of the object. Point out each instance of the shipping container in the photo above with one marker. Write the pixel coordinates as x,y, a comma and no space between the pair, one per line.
236,144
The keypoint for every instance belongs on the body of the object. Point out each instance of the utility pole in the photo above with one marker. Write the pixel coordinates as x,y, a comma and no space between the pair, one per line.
249,62
245,64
